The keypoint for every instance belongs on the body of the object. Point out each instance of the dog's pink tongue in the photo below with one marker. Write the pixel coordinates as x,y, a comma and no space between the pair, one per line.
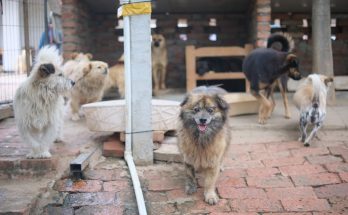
202,128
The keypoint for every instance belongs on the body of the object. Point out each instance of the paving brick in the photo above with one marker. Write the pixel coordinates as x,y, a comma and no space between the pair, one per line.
309,151
315,179
323,159
337,167
283,161
343,176
233,173
58,210
228,182
338,150
81,186
283,146
291,193
116,186
161,208
241,193
255,205
242,148
230,164
305,204
7,164
237,156
301,169
113,148
268,155
166,184
38,164
157,196
90,199
233,213
339,204
334,190
263,172
100,210
267,182
105,175
201,207
180,195
292,213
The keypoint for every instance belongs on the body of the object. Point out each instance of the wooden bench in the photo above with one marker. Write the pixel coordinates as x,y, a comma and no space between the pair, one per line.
193,53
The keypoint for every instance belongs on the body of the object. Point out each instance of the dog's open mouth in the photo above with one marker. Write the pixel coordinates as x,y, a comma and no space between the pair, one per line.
202,127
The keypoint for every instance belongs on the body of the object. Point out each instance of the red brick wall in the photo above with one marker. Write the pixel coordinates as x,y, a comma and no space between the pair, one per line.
77,22
304,48
259,25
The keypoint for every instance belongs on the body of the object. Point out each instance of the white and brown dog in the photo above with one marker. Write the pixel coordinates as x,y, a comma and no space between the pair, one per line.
310,99
39,103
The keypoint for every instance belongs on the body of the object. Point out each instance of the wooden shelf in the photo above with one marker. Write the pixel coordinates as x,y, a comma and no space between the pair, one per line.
233,51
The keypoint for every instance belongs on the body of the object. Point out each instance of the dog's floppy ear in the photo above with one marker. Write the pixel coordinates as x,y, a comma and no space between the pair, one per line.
87,68
222,104
74,55
89,56
184,101
328,81
291,60
46,69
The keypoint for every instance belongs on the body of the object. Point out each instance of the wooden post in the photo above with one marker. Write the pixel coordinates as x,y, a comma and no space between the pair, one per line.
322,50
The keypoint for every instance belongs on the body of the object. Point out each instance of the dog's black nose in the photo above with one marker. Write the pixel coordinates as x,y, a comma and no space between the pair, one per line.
203,121
156,43
72,82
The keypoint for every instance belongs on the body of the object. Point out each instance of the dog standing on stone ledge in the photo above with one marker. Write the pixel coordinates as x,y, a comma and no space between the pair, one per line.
159,62
39,103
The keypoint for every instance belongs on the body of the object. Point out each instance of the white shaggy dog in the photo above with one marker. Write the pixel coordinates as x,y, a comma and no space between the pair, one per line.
38,103
310,99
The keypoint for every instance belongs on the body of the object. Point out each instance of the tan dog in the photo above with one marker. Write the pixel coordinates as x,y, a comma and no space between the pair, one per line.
90,78
203,137
116,77
310,100
71,64
159,62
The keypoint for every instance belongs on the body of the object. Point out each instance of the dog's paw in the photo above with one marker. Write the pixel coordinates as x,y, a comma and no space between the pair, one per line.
211,198
262,121
287,116
75,117
58,140
190,188
306,144
33,155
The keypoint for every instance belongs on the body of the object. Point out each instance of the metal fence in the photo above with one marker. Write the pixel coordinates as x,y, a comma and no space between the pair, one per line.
22,28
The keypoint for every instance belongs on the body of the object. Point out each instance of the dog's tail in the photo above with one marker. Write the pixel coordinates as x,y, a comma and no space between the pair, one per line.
49,54
281,42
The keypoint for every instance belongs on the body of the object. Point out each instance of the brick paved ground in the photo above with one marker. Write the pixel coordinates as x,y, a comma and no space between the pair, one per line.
263,178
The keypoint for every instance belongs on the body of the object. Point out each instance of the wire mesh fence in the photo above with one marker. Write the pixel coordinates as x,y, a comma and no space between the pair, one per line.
22,25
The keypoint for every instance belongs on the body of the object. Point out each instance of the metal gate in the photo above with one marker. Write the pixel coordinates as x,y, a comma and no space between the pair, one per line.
23,29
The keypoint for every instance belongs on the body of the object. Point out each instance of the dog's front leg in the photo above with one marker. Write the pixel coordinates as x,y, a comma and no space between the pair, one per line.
314,131
265,107
210,177
191,182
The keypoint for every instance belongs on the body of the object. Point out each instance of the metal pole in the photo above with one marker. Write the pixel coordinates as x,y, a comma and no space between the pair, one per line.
137,49
26,35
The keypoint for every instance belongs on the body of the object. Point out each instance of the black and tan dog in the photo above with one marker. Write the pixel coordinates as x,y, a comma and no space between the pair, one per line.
203,137
263,67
